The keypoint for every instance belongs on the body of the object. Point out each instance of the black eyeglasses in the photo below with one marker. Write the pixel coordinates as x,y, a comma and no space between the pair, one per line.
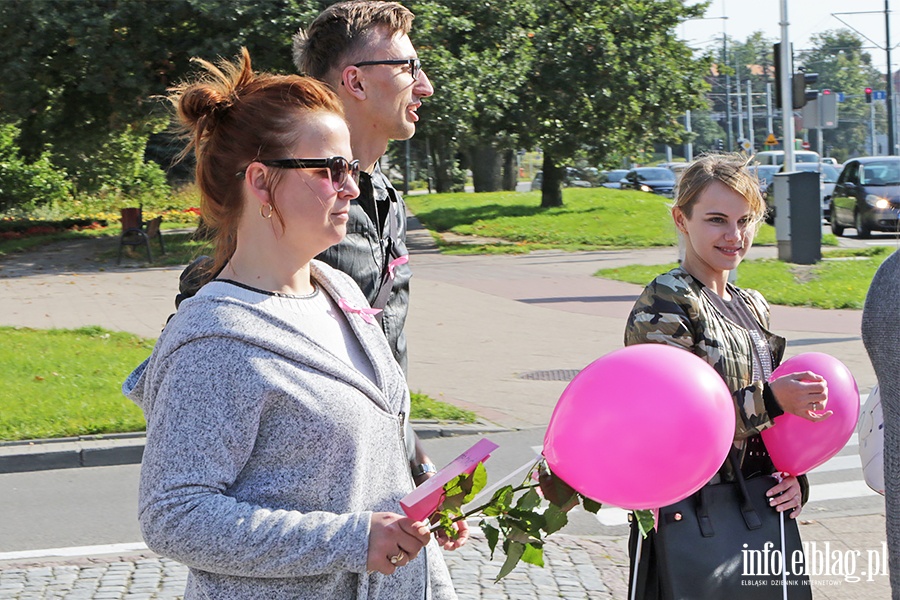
415,65
338,167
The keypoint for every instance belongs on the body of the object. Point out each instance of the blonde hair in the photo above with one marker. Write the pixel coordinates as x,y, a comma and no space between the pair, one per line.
728,169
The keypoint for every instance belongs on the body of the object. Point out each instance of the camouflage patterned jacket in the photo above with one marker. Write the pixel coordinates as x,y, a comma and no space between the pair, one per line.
673,310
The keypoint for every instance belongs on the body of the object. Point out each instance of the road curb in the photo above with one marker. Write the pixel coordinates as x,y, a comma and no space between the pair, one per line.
128,448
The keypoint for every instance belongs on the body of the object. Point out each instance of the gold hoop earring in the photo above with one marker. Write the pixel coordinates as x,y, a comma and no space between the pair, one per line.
271,210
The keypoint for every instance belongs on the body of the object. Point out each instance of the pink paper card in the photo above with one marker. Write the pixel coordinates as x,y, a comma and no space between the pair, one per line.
425,499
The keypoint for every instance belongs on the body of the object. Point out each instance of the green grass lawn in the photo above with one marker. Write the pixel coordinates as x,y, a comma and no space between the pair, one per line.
60,383
841,280
590,219
63,383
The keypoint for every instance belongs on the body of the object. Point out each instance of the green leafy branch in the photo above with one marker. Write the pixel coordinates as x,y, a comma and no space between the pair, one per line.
522,515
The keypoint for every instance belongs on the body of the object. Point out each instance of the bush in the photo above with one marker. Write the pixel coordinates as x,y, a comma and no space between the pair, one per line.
25,186
118,168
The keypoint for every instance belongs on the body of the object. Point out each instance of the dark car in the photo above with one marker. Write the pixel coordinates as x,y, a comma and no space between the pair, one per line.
657,180
867,196
828,177
572,178
612,179
765,174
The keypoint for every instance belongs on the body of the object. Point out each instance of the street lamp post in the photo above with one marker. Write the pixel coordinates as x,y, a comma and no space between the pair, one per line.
787,107
890,82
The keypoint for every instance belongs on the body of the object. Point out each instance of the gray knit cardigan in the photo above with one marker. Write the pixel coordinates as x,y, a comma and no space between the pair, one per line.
881,336
266,454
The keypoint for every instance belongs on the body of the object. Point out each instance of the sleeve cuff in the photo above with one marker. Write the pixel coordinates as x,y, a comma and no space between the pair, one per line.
773,409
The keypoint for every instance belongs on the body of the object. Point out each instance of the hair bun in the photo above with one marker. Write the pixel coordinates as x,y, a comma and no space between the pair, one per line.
201,102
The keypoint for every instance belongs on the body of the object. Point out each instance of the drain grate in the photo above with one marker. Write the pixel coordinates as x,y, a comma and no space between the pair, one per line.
550,375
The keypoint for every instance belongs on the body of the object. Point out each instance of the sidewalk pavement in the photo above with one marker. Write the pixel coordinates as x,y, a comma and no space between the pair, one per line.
500,335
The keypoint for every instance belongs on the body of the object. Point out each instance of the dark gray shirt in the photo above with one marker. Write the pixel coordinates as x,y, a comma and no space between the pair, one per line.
881,336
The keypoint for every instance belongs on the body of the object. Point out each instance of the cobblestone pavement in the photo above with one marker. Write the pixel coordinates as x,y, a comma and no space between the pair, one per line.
575,568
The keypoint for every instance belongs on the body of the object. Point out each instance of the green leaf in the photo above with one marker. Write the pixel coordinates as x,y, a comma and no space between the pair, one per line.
500,502
514,552
555,490
556,518
478,481
533,554
645,521
528,520
592,506
492,534
455,493
529,500
447,525
518,535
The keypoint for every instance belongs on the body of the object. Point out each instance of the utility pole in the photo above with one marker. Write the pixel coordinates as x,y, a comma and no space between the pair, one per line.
730,129
787,105
689,147
890,81
750,135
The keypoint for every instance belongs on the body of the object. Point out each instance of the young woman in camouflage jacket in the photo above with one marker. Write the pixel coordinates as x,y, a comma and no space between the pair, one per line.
718,209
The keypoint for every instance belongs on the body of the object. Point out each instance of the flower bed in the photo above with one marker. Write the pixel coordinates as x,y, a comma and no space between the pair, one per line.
11,229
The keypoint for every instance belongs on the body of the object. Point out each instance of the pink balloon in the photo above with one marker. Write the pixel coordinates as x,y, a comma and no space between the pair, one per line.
798,446
641,427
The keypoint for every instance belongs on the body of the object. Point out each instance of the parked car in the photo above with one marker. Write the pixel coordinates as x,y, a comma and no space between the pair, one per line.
776,157
828,177
765,174
657,180
572,178
612,179
830,160
867,196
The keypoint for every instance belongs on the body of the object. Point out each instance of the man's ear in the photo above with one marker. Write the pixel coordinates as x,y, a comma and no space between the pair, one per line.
679,219
257,182
352,82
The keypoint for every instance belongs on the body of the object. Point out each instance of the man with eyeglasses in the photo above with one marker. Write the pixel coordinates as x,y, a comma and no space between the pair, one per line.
362,50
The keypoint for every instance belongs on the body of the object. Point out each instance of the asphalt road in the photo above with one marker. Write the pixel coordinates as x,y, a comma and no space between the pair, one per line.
98,506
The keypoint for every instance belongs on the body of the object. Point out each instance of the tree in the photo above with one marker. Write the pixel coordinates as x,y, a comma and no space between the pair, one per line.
837,56
81,75
607,78
477,56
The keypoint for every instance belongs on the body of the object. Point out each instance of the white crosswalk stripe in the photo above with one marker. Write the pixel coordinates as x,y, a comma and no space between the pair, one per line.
842,475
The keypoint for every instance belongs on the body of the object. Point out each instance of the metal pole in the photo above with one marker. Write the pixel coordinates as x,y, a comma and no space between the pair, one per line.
890,83
819,108
787,106
689,147
770,117
740,110
750,116
729,145
872,129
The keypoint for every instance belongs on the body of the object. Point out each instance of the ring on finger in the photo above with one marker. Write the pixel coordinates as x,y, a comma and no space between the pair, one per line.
397,557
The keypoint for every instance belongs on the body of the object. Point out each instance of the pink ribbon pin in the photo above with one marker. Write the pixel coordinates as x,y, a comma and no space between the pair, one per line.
400,260
368,314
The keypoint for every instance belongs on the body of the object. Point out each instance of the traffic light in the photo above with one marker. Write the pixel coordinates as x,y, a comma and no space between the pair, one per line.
868,95
776,60
799,83
720,145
